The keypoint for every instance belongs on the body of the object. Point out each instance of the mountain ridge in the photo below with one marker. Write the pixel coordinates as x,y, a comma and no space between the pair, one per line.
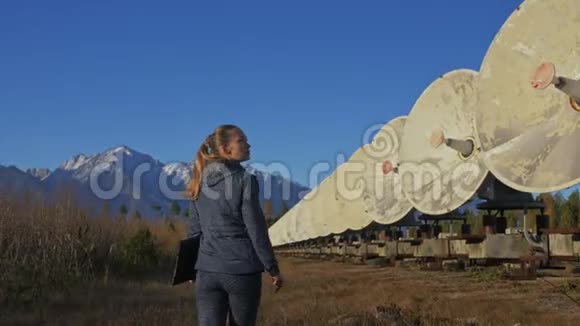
121,175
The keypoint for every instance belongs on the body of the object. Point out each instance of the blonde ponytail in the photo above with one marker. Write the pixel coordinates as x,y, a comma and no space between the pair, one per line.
208,152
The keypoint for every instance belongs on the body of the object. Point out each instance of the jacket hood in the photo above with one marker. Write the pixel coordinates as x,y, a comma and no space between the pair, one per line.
216,172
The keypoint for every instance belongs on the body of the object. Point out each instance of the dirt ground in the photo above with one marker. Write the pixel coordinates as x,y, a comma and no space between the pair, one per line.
330,293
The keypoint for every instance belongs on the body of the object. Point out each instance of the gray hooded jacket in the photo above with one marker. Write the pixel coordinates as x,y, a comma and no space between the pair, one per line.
228,218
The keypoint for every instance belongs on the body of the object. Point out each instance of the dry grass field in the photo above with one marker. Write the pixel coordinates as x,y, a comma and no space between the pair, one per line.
60,266
328,293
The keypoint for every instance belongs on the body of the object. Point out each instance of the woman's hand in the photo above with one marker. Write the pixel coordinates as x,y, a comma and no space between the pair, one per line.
278,282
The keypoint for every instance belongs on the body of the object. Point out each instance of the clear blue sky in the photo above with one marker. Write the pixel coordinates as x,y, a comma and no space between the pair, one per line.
304,79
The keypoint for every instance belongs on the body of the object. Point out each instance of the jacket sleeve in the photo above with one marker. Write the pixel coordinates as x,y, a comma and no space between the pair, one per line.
256,224
194,225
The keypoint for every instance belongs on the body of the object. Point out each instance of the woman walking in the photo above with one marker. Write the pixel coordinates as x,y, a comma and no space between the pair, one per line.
234,245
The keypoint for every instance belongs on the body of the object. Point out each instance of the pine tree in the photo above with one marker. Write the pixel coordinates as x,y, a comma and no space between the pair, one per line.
187,212
566,216
559,201
123,210
475,220
137,215
550,208
570,210
157,208
574,200
175,208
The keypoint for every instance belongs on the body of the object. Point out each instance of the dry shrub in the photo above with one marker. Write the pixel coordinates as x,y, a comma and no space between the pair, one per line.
46,248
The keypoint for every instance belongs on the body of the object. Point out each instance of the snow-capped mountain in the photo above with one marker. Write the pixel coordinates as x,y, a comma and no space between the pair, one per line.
81,166
40,173
123,176
180,170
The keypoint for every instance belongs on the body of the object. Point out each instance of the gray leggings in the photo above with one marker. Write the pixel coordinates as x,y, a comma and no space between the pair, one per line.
219,295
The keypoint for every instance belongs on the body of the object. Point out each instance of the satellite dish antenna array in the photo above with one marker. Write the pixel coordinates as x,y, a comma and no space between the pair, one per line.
518,118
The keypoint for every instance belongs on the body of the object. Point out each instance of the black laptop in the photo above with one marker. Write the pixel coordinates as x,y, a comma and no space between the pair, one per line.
186,258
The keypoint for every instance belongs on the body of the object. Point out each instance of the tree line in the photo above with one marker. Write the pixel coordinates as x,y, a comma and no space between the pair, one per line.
562,212
176,210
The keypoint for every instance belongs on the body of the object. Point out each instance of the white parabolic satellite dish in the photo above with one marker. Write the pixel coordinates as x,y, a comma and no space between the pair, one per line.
383,195
338,201
324,209
530,136
437,177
